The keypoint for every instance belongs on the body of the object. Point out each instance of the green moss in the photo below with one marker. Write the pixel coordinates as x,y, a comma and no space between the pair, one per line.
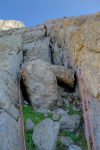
36,117
78,139
60,146
72,111
28,113
28,139
49,115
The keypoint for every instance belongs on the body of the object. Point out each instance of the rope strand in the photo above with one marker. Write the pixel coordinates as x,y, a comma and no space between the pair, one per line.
85,98
21,112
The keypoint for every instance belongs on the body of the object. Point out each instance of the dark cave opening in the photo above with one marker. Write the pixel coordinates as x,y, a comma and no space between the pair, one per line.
68,88
24,92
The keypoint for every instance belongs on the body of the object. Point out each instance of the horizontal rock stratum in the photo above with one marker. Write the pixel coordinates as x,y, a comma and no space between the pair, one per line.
69,42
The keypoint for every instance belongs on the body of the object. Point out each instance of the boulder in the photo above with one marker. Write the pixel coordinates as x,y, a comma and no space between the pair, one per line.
41,83
64,75
45,135
70,122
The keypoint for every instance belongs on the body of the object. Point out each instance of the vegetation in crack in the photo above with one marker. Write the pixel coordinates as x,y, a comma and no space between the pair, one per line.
36,117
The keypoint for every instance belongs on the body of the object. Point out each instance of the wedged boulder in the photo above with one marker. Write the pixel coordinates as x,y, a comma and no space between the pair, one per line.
41,83
64,75
45,135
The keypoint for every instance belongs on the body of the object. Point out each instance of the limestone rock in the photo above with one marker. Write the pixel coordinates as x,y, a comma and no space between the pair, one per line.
9,24
41,83
43,110
37,50
67,141
64,75
69,42
60,111
10,60
45,135
74,147
9,133
56,116
29,125
77,39
69,122
33,35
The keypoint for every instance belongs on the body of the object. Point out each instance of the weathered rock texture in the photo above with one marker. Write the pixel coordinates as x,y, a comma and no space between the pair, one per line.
41,83
10,60
8,24
45,135
69,42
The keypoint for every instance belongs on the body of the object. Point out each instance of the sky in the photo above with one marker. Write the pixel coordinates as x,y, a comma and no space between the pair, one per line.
34,12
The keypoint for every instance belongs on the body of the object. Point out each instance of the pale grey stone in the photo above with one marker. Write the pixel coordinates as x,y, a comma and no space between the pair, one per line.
45,135
29,124
69,122
56,116
74,147
67,141
41,83
43,110
60,111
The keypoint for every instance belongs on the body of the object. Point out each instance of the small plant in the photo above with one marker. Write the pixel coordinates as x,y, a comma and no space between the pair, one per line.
36,117
49,115
78,139
72,111
28,138
60,146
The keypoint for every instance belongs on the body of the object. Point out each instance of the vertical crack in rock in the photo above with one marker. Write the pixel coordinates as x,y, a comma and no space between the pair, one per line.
24,91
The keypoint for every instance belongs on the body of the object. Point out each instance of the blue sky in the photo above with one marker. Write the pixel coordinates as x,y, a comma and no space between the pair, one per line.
33,12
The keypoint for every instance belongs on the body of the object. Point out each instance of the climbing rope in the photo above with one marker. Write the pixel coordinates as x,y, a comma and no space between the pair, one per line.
85,105
21,112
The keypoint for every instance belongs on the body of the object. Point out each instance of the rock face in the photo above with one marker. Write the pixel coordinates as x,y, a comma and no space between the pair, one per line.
10,60
45,135
9,24
10,137
41,83
70,43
